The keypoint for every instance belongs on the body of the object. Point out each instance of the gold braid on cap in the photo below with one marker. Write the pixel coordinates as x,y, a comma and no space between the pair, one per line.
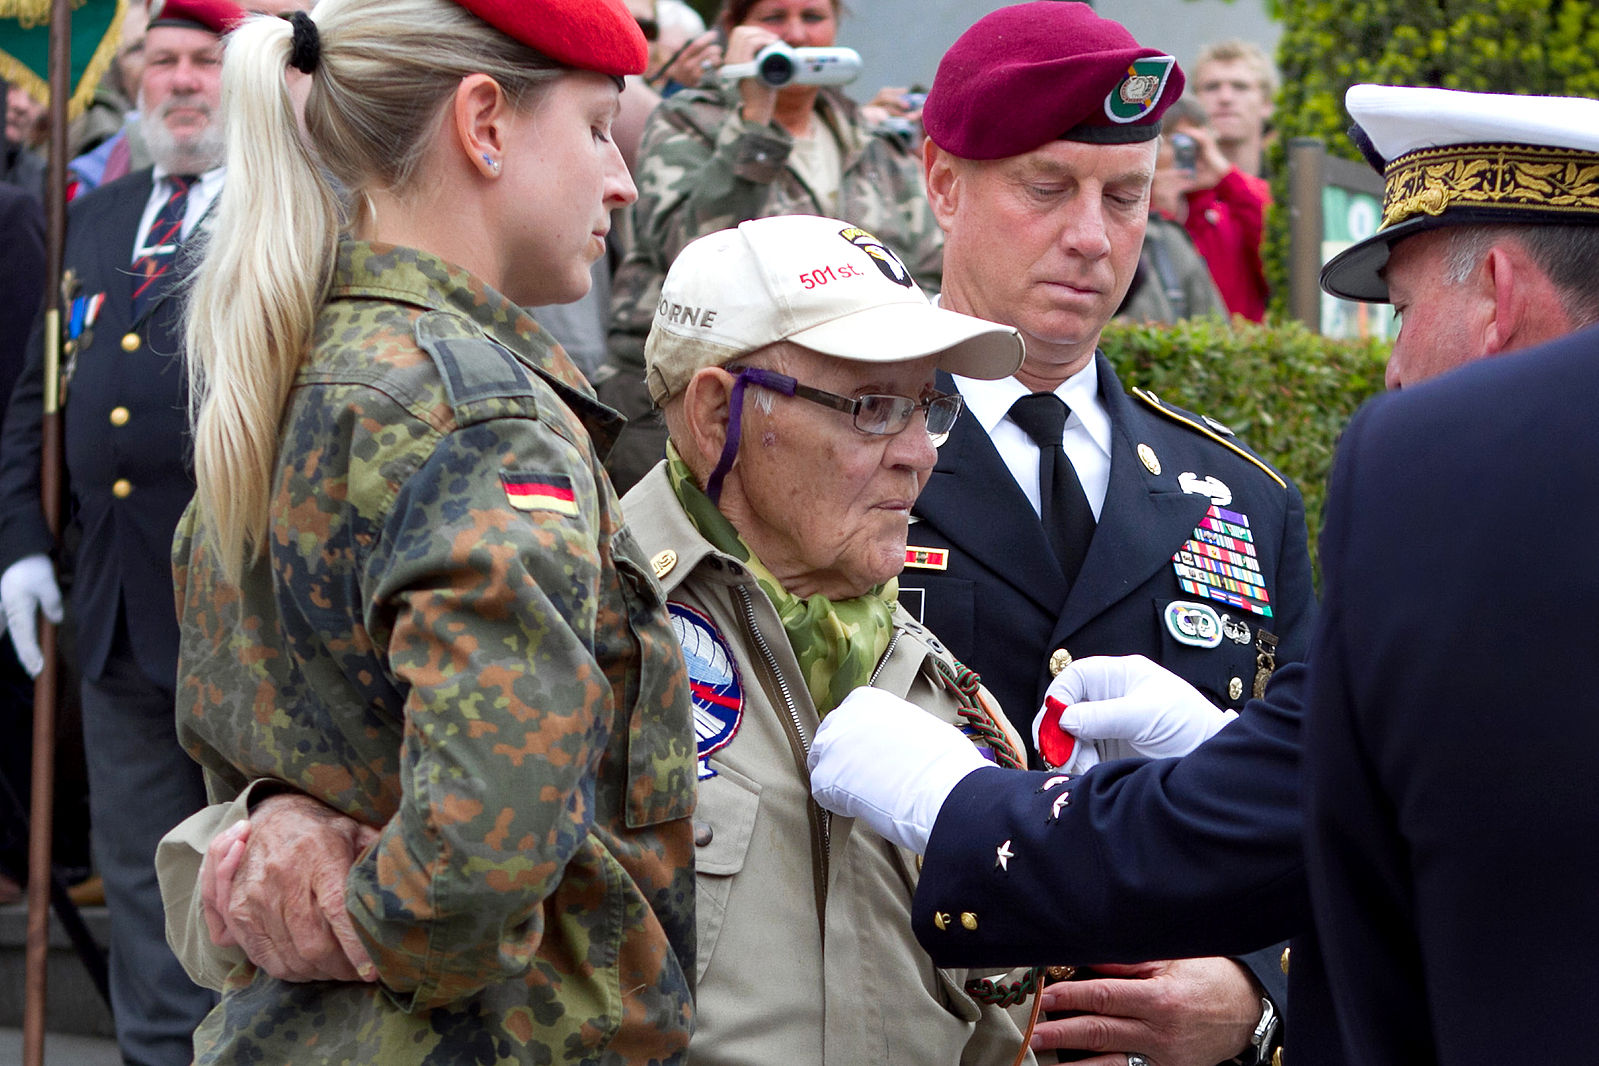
1537,180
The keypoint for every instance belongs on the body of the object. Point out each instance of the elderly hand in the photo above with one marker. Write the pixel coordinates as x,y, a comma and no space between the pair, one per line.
1128,697
890,764
27,587
274,886
1188,1012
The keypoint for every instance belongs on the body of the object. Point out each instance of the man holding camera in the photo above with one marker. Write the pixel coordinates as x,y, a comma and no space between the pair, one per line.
1156,532
1222,208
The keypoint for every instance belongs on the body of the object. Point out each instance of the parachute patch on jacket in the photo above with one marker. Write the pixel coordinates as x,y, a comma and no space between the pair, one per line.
713,682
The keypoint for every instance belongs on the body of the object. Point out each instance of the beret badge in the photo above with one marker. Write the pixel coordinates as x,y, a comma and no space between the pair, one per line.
1139,89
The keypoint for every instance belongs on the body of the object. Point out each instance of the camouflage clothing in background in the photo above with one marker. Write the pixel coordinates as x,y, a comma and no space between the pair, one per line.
703,168
455,638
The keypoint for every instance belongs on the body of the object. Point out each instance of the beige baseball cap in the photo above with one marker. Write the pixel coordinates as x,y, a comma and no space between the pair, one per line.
821,283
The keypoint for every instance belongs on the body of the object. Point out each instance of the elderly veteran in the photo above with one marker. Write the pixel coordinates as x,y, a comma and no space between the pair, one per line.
794,358
1423,791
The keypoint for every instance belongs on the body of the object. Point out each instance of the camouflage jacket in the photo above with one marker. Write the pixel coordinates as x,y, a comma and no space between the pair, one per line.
702,168
455,638
850,985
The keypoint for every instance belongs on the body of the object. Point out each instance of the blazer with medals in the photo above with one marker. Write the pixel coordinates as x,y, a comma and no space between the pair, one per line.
990,588
127,445
1000,603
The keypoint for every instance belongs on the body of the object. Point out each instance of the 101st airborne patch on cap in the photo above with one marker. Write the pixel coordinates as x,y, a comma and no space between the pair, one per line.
1139,89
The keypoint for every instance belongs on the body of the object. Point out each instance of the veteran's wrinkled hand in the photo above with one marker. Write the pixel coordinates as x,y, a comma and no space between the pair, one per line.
274,886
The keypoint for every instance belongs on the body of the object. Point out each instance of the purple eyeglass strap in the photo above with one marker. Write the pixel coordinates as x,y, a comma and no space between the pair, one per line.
769,379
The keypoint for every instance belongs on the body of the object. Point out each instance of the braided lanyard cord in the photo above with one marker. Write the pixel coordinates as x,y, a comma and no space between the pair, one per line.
979,719
982,726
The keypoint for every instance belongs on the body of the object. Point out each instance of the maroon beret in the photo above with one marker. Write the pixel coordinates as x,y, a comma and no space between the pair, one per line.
1033,73
588,34
216,16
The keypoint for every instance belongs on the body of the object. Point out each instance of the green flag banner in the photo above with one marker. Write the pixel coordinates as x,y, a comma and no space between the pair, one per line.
25,46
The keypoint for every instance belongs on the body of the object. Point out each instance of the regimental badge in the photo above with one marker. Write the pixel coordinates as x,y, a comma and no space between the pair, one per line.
927,558
1151,461
1193,624
540,492
1139,89
1218,563
713,683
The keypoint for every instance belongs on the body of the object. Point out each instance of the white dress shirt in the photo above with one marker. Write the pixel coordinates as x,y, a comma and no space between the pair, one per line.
1086,440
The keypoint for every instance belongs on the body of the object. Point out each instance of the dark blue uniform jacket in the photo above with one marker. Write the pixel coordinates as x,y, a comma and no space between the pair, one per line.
127,443
1440,862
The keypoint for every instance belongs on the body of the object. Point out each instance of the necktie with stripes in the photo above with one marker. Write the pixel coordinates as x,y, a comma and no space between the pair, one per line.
154,256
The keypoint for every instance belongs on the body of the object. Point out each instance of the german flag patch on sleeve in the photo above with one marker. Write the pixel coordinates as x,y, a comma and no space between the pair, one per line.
540,492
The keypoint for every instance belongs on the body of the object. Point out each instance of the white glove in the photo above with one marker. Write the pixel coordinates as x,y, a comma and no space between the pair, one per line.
1127,697
27,587
890,764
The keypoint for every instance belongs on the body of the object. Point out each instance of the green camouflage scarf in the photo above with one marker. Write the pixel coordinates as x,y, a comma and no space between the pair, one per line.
838,642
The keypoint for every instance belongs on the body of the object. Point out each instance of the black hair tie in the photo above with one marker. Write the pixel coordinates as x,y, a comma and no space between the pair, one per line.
307,49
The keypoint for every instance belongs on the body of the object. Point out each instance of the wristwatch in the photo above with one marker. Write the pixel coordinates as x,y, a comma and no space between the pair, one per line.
1263,1041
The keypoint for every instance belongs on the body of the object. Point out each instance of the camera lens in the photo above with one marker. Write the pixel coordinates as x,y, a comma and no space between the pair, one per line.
777,69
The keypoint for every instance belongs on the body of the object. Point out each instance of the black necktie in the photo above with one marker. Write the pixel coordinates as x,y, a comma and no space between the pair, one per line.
1068,520
154,257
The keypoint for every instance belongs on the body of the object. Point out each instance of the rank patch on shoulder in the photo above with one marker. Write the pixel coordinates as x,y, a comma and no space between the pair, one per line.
713,683
1218,563
540,492
927,558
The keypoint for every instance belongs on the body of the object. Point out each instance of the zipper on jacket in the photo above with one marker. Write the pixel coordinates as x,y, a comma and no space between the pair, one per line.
821,820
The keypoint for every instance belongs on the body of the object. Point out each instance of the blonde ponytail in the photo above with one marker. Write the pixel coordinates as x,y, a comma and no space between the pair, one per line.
385,71
268,262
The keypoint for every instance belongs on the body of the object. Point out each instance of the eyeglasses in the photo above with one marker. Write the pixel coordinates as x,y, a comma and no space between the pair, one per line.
650,28
881,415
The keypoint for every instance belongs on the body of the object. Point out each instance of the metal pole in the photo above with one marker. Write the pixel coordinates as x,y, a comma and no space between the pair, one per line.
44,691
1306,157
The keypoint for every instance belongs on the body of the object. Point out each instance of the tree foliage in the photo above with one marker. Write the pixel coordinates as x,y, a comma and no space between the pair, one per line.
1544,47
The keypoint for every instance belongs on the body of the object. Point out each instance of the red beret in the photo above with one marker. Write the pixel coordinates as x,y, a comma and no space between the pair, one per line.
217,16
588,34
1033,73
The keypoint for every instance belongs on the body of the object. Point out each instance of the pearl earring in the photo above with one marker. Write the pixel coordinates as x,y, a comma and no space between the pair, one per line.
494,164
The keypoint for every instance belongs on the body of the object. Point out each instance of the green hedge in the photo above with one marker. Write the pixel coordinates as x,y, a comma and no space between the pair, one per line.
1503,46
1284,390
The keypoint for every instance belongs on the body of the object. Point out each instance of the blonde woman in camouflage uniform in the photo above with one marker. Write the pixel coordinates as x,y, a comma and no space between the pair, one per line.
405,585
719,155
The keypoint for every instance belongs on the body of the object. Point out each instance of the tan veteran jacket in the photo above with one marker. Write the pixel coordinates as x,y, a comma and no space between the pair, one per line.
774,985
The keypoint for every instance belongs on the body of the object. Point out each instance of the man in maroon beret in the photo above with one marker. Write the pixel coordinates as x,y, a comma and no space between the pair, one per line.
125,401
1068,517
